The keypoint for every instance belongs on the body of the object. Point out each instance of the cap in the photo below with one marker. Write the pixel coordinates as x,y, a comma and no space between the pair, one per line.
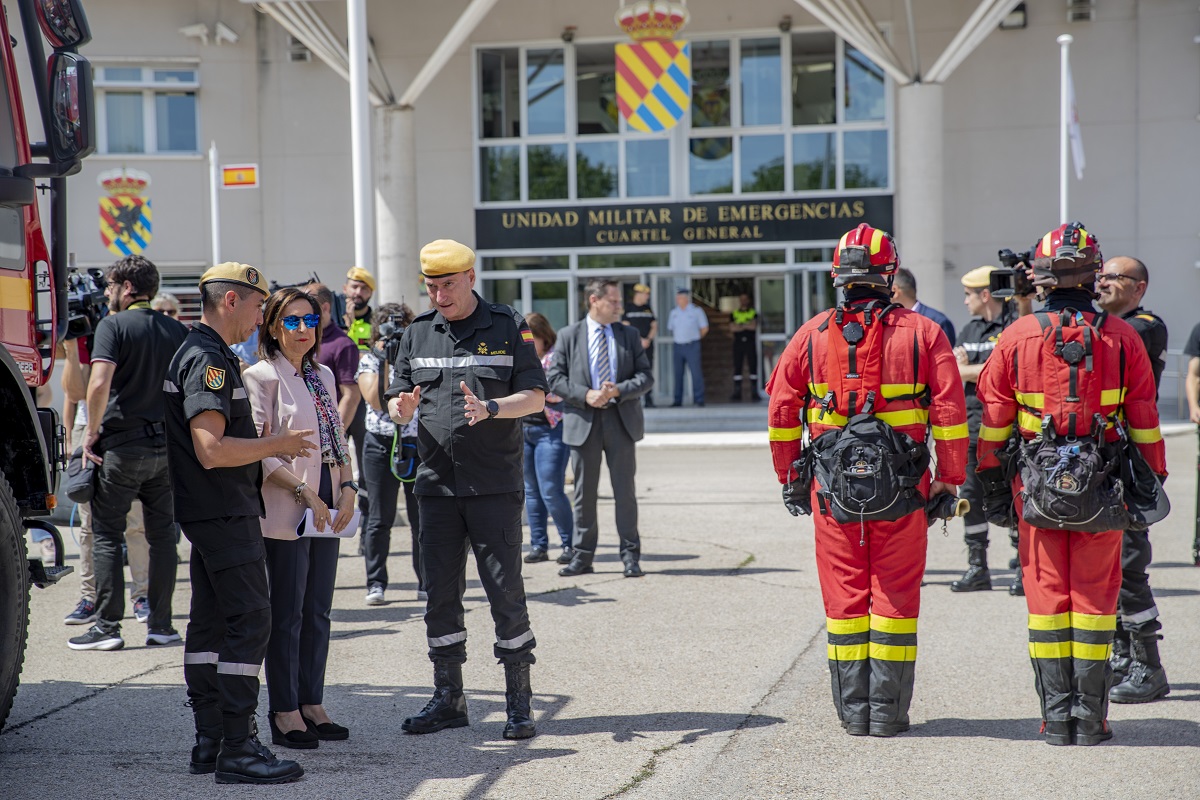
445,257
360,274
641,287
234,272
683,290
978,278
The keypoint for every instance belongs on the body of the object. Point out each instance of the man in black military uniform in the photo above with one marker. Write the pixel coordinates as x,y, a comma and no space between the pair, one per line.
1122,284
214,453
640,315
990,315
472,369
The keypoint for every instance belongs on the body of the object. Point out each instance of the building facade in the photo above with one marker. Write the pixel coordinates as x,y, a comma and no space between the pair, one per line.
791,139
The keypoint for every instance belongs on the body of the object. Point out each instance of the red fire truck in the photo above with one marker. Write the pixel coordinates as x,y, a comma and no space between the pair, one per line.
38,298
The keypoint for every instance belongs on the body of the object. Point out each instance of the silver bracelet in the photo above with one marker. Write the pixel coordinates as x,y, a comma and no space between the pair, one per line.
300,487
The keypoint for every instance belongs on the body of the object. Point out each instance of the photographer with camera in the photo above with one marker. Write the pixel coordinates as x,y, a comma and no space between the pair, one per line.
990,315
126,438
389,454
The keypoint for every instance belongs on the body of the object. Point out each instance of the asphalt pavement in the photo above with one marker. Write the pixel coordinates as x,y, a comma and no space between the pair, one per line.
705,679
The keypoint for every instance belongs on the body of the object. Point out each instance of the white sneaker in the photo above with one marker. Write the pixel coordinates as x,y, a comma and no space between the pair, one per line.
375,595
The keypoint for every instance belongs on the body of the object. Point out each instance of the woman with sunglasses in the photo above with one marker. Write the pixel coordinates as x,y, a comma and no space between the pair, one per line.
288,389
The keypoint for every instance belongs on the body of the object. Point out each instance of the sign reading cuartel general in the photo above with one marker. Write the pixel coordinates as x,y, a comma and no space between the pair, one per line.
716,222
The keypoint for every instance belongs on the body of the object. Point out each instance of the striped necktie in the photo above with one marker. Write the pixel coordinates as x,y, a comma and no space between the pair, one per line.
600,356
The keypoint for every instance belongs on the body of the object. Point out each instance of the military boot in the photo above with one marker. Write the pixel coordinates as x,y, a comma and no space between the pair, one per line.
1017,587
1120,659
976,578
208,741
243,759
517,698
1147,680
447,708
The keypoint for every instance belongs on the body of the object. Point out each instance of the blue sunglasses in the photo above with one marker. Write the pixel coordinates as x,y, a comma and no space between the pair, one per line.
292,322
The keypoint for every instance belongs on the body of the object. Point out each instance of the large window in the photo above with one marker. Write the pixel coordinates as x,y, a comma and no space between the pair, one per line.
770,114
147,109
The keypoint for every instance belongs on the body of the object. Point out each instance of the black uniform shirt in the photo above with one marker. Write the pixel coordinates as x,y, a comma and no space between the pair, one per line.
492,351
204,376
139,342
640,317
1154,335
979,337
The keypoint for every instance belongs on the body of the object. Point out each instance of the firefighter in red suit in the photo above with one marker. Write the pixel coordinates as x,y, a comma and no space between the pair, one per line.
1072,578
870,571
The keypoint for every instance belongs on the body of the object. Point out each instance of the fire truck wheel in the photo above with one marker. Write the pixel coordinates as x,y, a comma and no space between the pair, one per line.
14,598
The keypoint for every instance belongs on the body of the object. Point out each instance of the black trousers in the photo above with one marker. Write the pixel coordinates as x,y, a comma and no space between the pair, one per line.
609,439
133,472
745,357
1135,605
490,525
384,489
230,619
356,435
975,524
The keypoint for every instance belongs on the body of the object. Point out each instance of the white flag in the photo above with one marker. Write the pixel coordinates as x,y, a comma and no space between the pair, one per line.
1073,130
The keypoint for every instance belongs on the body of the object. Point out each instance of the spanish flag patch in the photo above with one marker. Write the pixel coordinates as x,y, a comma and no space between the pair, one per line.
526,335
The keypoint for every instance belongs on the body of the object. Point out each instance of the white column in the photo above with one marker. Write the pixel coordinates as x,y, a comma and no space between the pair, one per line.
1064,123
399,266
919,201
360,135
214,202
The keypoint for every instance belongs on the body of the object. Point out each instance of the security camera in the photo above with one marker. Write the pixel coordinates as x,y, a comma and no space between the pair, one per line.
568,34
785,24
225,34
196,31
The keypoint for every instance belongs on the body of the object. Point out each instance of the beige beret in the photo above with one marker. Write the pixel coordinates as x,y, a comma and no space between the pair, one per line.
360,274
445,257
234,272
978,278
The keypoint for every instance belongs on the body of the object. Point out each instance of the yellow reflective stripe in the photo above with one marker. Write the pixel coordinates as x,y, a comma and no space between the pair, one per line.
16,294
893,652
1032,399
898,419
990,434
1094,622
891,390
1049,622
891,625
1145,435
847,652
1050,649
1029,422
1091,652
784,434
876,241
844,626
830,418
945,432
818,389
1112,397
1048,244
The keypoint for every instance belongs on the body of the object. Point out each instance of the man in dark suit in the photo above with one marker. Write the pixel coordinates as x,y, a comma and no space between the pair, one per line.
601,371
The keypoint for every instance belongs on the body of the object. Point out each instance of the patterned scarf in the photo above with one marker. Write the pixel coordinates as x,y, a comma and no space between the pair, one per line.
333,444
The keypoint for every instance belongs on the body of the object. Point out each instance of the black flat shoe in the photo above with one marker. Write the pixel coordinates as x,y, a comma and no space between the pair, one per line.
536,555
296,740
327,731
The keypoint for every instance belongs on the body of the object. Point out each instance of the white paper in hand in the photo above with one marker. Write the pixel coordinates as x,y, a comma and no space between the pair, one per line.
308,527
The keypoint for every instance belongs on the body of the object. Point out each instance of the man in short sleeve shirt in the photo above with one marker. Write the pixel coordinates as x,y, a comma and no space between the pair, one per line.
215,454
472,368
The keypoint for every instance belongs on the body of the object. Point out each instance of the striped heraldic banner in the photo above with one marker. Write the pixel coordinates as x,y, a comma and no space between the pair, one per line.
654,83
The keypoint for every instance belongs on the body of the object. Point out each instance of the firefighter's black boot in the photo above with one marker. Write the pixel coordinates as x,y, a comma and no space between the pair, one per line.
976,578
447,708
755,397
1017,587
736,397
208,741
244,760
1120,659
1147,680
517,698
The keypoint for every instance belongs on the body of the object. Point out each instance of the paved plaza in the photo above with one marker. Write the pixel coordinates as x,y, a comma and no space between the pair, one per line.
705,679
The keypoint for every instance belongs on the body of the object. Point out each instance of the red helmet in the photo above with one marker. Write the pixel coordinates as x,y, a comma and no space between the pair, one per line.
1066,257
865,256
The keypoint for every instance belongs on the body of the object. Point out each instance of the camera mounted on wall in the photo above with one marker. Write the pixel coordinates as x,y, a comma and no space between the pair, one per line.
1011,278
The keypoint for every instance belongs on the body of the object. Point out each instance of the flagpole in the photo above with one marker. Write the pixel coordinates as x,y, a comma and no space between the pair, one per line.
1064,42
214,203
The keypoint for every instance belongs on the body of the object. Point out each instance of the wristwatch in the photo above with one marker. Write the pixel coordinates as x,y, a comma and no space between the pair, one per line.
353,486
493,408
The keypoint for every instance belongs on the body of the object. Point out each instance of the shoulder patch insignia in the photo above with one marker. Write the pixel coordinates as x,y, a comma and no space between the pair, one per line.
526,336
214,377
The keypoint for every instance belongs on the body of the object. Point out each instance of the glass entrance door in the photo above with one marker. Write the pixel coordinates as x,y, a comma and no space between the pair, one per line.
552,299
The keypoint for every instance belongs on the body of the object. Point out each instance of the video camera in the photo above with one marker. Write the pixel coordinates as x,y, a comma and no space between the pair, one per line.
391,331
1011,278
86,303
